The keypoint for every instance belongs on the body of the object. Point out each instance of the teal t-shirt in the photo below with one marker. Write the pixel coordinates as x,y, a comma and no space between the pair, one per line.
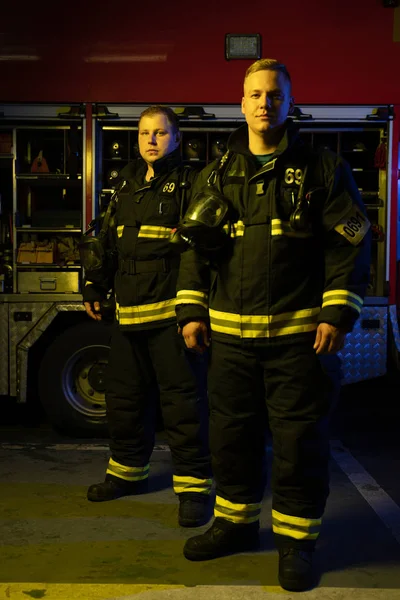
262,159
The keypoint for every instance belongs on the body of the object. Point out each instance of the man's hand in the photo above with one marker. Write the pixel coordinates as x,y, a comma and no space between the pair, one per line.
196,336
93,314
329,339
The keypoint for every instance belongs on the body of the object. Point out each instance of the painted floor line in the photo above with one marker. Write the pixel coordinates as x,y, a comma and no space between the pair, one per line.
127,591
84,447
383,505
57,447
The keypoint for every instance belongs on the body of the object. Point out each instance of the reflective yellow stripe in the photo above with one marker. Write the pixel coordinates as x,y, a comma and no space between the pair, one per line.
127,473
146,313
192,297
295,527
120,230
181,483
264,326
343,297
279,227
237,229
346,292
153,231
237,513
236,172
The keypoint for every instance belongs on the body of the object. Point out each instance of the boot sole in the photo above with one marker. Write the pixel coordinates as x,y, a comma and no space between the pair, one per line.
293,585
96,499
137,492
197,556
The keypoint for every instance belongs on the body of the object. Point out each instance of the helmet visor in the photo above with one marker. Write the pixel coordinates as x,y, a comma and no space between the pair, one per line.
92,253
208,208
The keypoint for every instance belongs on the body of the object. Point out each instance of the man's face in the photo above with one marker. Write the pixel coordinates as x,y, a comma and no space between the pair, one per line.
267,100
157,138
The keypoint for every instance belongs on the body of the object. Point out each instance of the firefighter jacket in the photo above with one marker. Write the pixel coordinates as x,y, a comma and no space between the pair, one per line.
146,266
273,281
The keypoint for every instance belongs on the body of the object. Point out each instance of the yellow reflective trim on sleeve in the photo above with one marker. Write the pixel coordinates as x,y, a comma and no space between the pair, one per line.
154,232
342,302
353,226
192,297
120,230
345,292
342,297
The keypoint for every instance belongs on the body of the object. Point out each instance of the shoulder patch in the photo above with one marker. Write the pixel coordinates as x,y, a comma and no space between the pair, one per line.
353,226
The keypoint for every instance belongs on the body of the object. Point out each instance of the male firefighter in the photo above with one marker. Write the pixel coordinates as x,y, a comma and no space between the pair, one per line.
284,288
145,345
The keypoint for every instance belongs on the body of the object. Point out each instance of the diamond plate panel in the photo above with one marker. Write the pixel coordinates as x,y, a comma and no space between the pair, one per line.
364,354
34,334
18,330
394,338
395,326
22,334
3,349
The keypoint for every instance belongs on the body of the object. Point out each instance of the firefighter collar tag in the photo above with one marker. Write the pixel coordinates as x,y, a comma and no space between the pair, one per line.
260,188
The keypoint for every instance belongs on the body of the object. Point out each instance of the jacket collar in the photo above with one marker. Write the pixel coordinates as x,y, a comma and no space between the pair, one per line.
239,140
165,165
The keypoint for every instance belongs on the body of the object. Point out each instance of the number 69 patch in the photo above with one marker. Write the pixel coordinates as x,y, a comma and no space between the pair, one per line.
353,226
169,187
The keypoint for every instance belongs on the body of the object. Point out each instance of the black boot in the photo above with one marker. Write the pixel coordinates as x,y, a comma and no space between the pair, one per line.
113,488
223,538
194,509
295,569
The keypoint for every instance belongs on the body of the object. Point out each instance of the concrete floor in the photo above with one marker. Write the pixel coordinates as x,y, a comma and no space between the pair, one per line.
57,545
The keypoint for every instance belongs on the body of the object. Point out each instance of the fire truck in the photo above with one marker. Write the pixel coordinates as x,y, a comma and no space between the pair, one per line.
68,125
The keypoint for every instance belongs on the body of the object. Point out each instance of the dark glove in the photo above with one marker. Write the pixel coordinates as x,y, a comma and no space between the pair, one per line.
93,293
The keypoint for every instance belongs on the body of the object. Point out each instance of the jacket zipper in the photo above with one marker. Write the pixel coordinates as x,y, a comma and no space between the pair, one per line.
271,196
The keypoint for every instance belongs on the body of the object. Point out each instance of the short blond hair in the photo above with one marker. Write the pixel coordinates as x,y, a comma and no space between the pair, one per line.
268,64
159,109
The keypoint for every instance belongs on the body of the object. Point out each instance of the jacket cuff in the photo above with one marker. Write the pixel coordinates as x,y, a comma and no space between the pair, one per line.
185,313
342,317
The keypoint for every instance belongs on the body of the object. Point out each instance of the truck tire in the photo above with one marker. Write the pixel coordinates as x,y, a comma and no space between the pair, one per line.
72,380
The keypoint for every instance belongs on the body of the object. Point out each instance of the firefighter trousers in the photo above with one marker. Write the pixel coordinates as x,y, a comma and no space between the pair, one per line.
138,363
295,398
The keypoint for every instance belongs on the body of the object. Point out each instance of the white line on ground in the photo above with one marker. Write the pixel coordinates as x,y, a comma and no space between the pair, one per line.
36,446
383,505
102,447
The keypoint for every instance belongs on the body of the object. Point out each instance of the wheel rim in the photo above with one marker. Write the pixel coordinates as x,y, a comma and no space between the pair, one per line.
83,381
